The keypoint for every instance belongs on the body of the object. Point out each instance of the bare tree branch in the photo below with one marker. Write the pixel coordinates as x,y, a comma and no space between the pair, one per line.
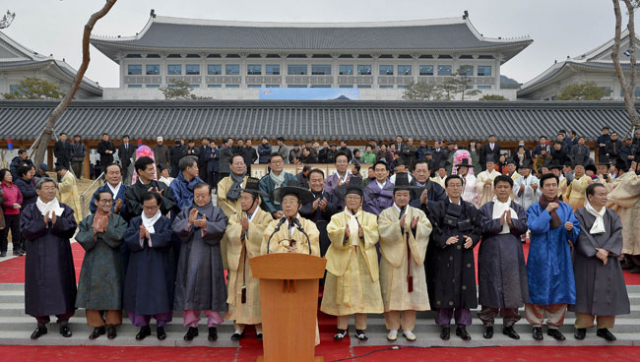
45,136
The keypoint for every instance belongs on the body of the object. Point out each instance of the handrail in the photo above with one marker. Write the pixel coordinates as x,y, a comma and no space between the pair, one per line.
93,183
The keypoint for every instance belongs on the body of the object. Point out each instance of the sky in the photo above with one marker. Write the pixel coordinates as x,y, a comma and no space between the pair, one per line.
559,28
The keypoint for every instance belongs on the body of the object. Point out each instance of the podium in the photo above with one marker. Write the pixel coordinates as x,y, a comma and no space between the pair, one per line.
289,301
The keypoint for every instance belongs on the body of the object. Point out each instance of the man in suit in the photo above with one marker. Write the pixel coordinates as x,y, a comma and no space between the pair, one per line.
226,151
492,149
106,149
203,158
62,151
125,153
282,149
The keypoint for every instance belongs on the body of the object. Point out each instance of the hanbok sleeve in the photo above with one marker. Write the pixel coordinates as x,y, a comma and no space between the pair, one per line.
114,234
614,244
32,224
215,229
132,235
65,225
538,220
180,228
85,235
585,244
163,236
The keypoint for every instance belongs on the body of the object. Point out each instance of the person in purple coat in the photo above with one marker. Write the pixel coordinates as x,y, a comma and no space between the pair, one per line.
378,195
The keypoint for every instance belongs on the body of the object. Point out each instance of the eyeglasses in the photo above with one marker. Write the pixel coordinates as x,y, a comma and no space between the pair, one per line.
106,201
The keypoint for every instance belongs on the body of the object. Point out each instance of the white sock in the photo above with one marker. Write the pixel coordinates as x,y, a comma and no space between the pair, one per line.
394,331
238,332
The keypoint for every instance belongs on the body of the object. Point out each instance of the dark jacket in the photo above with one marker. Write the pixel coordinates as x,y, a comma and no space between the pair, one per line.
265,152
106,158
125,155
78,151
28,190
62,151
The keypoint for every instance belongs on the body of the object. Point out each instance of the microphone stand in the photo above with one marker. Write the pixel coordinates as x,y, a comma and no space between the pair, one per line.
301,229
274,232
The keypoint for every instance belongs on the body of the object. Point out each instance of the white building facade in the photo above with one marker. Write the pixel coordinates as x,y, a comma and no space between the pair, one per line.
234,60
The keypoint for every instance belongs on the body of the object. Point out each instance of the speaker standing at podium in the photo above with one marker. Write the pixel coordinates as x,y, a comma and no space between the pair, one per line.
291,233
244,239
352,284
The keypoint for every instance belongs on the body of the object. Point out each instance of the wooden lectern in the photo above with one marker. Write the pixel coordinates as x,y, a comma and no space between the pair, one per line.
289,300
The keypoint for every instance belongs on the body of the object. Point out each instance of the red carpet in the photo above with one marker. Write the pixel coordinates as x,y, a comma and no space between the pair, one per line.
329,351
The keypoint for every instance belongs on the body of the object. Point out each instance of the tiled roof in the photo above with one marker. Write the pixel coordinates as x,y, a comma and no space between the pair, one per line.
330,120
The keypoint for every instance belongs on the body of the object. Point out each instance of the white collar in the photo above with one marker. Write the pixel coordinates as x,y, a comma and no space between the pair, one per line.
348,212
255,212
343,179
406,208
51,206
459,202
114,191
381,186
150,222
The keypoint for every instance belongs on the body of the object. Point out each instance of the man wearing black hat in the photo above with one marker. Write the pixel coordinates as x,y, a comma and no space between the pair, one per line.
404,236
352,284
456,227
244,240
526,188
602,172
321,209
285,234
484,182
469,181
441,173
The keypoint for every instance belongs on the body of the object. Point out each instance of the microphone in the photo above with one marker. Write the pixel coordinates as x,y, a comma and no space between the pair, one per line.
282,220
297,223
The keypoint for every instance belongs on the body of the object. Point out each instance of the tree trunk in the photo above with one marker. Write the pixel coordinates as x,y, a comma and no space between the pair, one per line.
43,140
628,89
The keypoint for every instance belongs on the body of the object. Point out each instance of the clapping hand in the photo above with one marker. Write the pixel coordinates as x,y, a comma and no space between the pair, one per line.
452,240
244,222
414,222
402,220
568,225
424,197
468,242
347,232
202,223
118,207
553,206
192,216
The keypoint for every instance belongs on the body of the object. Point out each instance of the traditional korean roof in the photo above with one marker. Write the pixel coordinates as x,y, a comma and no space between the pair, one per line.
318,120
190,35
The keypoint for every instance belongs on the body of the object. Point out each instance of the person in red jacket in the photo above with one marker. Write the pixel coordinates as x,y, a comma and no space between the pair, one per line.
11,208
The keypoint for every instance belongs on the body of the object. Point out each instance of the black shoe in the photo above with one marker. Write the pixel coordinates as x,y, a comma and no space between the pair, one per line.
97,332
65,331
461,331
445,333
627,265
580,333
144,332
38,332
338,336
488,332
213,334
509,331
17,252
259,336
537,333
192,332
361,335
604,333
236,336
161,333
111,332
635,270
556,334
3,254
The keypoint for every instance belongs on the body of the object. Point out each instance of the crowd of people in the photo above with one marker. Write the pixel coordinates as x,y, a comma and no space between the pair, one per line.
396,242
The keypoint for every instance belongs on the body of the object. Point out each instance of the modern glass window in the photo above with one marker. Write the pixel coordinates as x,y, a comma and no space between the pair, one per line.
404,69
364,69
232,69
174,69
484,87
193,69
320,69
135,86
214,86
386,70
346,86
232,86
484,70
135,69
254,86
444,70
214,69
153,69
466,70
273,85
297,86
294,69
426,70
273,69
385,86
320,86
153,86
346,70
364,86
254,69
194,85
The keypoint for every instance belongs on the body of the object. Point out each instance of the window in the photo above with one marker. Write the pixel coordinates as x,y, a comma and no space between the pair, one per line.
364,70
254,86
232,69
174,56
444,70
273,69
153,69
232,86
273,85
386,70
193,56
135,86
402,87
214,86
386,86
346,70
214,69
426,70
174,69
404,69
484,70
254,69
194,85
466,70
153,85
608,91
135,69
297,86
321,69
484,87
320,86
134,56
193,69
364,86
297,69
346,86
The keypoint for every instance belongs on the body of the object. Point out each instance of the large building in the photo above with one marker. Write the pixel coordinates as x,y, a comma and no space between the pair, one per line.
17,62
233,60
595,65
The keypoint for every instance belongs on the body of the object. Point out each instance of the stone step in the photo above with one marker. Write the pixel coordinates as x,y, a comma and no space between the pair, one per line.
124,338
498,340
